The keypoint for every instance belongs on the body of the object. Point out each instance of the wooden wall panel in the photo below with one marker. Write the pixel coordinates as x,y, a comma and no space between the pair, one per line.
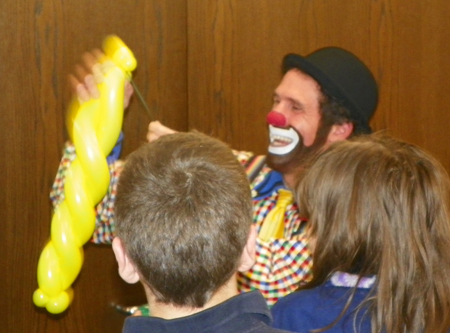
415,74
235,50
40,42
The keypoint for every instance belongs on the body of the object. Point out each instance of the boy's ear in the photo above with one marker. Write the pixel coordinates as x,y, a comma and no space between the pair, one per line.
249,253
127,270
340,132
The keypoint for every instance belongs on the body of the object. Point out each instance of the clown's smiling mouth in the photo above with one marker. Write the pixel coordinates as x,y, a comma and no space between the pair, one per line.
279,141
282,141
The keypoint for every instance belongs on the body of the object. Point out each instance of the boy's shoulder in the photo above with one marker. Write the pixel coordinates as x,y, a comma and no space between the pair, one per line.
243,313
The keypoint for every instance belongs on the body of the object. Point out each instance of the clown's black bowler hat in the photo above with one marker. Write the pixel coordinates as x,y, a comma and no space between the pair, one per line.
341,75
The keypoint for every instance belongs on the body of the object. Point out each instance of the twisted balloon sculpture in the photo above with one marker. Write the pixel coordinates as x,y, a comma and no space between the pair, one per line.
94,128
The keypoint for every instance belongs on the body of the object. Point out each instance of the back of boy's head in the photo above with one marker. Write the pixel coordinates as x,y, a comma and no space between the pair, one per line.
380,206
183,213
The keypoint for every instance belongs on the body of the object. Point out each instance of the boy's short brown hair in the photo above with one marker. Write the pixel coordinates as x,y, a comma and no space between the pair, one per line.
183,212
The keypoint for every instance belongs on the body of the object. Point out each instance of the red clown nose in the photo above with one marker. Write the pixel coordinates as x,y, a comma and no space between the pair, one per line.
275,118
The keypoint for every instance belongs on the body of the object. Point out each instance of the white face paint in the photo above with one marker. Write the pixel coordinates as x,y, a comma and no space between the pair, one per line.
282,141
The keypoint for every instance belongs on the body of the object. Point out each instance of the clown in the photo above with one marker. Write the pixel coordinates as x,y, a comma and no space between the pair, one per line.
324,97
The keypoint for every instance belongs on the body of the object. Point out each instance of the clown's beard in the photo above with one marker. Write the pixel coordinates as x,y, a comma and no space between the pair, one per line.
300,156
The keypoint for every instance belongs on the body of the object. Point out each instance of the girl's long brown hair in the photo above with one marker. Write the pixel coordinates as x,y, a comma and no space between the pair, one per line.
380,206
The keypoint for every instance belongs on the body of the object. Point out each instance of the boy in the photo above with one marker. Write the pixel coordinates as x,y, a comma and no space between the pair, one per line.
184,228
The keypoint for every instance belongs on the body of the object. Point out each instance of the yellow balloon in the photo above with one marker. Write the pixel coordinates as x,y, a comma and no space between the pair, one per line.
94,127
119,53
79,204
49,272
58,304
111,123
69,254
40,298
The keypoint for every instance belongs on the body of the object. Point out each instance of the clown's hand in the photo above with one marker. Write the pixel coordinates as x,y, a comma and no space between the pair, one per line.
89,74
156,129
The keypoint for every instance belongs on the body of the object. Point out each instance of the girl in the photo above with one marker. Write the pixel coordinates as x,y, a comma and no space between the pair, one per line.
378,212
